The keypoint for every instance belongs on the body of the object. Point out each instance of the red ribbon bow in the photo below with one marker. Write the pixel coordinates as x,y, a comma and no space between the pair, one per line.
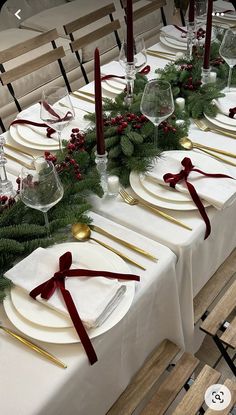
232,112
50,130
47,289
143,71
173,179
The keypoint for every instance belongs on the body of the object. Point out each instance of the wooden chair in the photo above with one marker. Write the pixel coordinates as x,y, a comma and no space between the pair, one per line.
94,35
151,7
216,319
137,394
11,75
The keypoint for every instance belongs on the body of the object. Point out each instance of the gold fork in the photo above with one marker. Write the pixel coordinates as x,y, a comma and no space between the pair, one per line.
204,127
130,200
23,163
157,55
17,150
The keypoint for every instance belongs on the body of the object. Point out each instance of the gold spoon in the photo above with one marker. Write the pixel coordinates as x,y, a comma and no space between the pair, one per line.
186,143
82,232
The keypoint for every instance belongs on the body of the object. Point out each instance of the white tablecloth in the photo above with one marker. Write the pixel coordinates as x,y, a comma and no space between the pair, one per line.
162,306
31,385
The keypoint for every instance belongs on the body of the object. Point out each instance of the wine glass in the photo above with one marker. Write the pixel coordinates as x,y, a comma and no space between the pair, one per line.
228,52
131,68
53,112
157,103
41,188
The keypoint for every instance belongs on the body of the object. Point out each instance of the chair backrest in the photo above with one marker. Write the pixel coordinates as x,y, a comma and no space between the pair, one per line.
150,7
7,77
84,45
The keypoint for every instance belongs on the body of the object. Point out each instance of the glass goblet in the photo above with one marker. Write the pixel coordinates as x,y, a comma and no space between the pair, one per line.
41,188
228,52
131,68
53,112
157,103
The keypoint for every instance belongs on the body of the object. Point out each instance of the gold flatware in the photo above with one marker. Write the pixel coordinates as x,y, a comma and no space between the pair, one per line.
157,55
82,97
189,145
132,201
122,242
213,155
204,127
74,106
87,94
34,347
23,163
161,52
82,232
17,150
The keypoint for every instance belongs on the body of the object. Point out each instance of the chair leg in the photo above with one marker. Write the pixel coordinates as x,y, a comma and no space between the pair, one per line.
63,72
224,353
182,17
2,126
116,33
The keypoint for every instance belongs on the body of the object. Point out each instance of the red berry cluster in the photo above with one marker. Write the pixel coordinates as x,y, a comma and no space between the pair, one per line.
217,62
200,34
6,202
190,85
166,127
122,121
76,143
186,67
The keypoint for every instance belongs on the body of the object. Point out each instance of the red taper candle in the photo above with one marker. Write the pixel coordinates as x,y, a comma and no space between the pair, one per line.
130,35
206,61
191,11
98,104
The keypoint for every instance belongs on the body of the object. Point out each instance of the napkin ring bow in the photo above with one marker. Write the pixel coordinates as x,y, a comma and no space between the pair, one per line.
173,179
47,289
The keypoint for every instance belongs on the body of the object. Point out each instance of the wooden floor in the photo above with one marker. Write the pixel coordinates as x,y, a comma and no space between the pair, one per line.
208,353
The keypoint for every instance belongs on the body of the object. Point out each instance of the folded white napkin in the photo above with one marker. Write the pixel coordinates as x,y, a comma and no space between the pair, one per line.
174,33
95,298
221,5
225,103
114,68
218,192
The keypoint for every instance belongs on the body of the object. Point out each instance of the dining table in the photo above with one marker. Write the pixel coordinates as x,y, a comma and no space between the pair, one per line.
162,306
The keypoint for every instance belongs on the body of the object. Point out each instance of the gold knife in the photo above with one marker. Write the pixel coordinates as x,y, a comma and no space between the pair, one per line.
127,244
18,150
87,94
156,55
34,347
77,95
123,256
26,165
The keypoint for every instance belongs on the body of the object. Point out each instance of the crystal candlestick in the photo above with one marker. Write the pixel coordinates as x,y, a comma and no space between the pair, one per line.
206,76
130,77
101,162
6,187
190,39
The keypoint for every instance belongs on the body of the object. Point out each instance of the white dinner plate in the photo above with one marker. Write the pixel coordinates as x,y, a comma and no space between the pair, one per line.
116,83
98,258
18,139
224,104
228,16
218,123
166,42
163,192
107,88
205,163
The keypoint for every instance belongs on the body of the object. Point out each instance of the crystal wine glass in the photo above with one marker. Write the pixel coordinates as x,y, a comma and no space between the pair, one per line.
53,113
157,103
41,188
228,52
131,68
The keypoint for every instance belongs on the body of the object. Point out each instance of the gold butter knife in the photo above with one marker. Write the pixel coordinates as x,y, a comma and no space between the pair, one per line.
161,52
87,94
157,55
77,95
34,347
26,165
127,244
18,150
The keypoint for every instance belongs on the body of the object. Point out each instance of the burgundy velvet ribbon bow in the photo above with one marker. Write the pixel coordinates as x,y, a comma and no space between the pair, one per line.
232,112
50,130
173,179
143,71
47,289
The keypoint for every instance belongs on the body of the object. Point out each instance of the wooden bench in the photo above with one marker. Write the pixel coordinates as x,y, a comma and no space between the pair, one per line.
216,319
142,385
